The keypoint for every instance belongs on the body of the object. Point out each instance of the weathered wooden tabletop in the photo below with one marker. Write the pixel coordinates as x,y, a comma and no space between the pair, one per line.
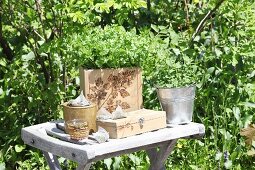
164,139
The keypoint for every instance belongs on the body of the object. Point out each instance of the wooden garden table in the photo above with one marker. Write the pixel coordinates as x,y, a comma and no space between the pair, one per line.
158,145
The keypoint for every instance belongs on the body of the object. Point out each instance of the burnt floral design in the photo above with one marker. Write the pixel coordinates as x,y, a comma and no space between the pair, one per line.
117,85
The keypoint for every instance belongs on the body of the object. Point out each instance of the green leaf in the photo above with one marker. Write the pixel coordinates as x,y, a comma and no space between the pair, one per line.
247,120
43,55
228,164
236,112
248,104
28,57
215,37
132,157
117,161
155,28
108,162
166,40
19,148
218,52
197,38
1,91
210,70
142,3
30,99
135,159
2,166
200,143
59,6
234,61
226,134
194,167
232,39
176,51
3,62
174,37
226,50
218,156
61,159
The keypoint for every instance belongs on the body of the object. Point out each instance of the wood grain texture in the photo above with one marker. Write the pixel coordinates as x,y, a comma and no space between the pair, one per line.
137,122
84,154
52,161
83,166
33,136
109,88
159,155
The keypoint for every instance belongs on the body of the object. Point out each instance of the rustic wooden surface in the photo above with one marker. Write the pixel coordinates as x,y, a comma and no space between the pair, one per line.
109,88
137,122
86,154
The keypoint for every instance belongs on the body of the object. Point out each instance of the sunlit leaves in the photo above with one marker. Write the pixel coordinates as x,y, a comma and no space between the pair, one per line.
115,47
19,148
2,166
78,16
105,6
228,164
3,62
29,56
108,162
133,4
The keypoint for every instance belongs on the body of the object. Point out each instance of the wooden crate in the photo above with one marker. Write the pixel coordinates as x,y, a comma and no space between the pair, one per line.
109,88
137,122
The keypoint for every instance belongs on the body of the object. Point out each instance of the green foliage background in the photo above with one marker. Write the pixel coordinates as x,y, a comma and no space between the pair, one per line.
43,44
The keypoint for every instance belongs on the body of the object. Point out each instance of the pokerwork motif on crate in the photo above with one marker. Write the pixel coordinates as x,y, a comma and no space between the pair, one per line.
113,90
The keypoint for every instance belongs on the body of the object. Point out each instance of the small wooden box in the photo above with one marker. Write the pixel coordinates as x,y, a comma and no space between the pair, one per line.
137,122
109,88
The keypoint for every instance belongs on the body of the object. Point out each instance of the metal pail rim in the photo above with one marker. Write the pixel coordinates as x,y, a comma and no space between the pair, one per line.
181,87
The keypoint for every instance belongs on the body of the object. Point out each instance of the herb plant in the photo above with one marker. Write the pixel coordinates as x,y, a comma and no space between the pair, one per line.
178,73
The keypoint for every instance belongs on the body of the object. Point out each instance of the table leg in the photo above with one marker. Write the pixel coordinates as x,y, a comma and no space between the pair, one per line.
52,161
158,157
83,167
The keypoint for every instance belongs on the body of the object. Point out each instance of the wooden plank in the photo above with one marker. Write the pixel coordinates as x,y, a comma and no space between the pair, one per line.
128,151
83,166
142,140
34,137
52,161
158,157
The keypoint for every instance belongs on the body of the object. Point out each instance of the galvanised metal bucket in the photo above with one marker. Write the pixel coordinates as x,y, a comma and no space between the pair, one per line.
178,103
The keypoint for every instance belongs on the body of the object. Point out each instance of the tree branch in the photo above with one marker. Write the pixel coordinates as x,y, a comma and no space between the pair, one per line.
6,48
207,16
149,10
3,42
38,58
187,13
40,15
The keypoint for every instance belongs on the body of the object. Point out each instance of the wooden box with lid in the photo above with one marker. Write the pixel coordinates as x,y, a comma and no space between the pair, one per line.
137,122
